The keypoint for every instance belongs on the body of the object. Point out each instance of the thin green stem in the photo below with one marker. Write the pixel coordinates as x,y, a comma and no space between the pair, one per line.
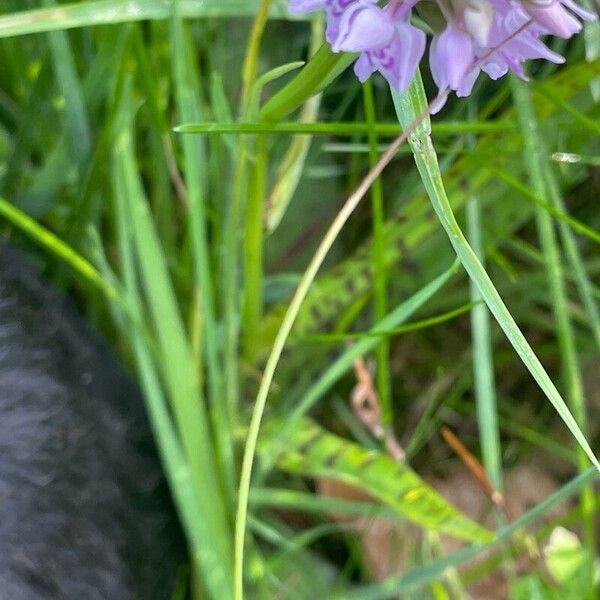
230,276
233,226
483,362
250,67
383,378
584,284
253,242
253,249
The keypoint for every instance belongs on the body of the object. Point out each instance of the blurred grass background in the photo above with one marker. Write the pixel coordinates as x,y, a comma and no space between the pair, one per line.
184,249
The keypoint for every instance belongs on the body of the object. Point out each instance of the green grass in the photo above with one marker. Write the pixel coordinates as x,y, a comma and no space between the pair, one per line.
207,203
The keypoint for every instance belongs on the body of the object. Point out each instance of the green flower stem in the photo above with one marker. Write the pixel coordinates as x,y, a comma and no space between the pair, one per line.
235,214
250,67
383,378
483,364
253,249
534,152
408,105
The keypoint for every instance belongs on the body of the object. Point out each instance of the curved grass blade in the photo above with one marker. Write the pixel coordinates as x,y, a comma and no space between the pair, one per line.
174,360
56,246
336,289
320,70
408,106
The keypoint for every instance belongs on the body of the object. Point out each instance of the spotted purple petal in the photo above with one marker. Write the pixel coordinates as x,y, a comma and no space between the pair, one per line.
398,61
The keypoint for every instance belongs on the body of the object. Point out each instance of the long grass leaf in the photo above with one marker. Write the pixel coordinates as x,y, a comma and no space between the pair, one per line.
175,363
408,106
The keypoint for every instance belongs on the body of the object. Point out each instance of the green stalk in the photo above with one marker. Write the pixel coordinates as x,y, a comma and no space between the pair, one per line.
188,107
230,276
383,378
234,219
173,357
172,455
483,362
408,106
253,246
534,153
253,242
250,67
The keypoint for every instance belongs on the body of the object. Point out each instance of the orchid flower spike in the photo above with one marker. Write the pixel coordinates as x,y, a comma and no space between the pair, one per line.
493,36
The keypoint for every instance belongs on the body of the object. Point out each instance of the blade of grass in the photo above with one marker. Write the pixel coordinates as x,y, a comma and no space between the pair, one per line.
107,12
408,106
583,281
291,166
483,362
313,451
421,576
188,107
176,362
346,360
56,246
576,225
383,377
69,84
177,467
342,128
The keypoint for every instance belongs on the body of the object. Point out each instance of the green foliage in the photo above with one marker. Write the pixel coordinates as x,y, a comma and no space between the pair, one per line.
181,197
311,451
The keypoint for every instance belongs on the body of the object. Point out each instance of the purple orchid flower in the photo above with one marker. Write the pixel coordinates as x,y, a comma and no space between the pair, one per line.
513,39
493,36
552,16
387,41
